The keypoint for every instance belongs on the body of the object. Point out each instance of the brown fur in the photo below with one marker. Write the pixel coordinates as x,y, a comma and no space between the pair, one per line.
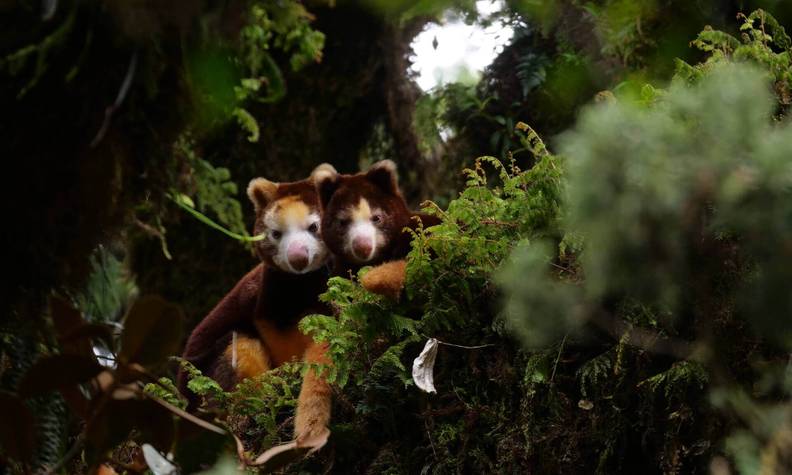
264,309
249,354
284,343
299,197
313,404
210,337
266,304
340,195
261,191
386,279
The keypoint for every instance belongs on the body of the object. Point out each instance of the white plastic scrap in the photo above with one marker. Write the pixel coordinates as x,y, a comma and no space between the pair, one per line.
158,464
234,350
423,367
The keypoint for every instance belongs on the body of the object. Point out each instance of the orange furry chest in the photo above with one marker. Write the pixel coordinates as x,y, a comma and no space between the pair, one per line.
282,344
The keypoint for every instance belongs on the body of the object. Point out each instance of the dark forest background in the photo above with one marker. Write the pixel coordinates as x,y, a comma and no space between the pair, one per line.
622,251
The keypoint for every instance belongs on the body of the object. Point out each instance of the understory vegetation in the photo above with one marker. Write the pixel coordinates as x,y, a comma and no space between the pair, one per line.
608,286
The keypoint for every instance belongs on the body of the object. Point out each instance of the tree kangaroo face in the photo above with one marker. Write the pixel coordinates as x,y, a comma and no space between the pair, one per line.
362,214
293,239
288,215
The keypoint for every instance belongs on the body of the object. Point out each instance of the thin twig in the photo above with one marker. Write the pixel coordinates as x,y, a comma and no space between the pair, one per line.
149,229
558,358
466,347
122,93
560,267
429,436
184,414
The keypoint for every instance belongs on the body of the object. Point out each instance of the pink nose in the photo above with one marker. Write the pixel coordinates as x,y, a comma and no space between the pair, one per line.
362,246
297,255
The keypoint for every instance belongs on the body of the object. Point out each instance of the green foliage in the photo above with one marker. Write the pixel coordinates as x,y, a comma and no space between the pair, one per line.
660,168
632,235
227,465
107,293
761,443
165,390
272,26
212,189
449,267
221,86
676,206
248,123
694,153
537,308
37,55
531,69
107,405
447,110
109,290
283,26
211,186
405,10
449,287
619,23
45,439
594,373
626,304
391,360
256,410
685,374
258,406
763,41
203,386
361,317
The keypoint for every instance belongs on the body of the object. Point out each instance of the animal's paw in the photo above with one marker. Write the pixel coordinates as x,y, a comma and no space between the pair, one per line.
313,414
386,279
312,437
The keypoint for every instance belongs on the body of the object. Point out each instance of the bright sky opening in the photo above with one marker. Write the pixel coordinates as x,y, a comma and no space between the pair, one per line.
460,49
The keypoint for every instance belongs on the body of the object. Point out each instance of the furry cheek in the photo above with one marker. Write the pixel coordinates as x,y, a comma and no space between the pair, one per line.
266,249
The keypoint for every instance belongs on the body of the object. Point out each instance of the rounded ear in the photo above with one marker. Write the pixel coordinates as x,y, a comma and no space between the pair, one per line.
261,192
384,175
322,171
326,184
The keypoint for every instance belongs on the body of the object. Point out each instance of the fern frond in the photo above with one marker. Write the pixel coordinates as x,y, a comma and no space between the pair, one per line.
594,372
390,360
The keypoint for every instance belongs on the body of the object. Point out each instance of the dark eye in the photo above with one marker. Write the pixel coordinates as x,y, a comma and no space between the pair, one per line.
313,228
276,234
343,222
376,218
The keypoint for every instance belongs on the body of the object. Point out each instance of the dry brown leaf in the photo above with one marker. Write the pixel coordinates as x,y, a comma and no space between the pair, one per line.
284,454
